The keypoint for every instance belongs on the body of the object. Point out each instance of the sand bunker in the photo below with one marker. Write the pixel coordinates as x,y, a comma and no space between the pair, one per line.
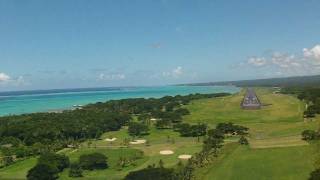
138,141
166,152
110,140
184,156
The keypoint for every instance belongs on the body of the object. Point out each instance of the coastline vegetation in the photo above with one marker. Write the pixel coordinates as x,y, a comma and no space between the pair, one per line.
35,134
221,137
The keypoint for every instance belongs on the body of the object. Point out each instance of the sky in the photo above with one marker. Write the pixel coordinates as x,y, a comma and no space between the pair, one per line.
98,43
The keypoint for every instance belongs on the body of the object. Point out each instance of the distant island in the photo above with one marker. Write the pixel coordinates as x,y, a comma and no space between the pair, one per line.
269,82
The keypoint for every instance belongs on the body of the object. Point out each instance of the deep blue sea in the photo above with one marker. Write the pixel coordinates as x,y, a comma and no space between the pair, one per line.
20,102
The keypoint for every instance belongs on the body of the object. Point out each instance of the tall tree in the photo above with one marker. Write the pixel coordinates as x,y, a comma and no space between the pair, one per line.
137,129
43,172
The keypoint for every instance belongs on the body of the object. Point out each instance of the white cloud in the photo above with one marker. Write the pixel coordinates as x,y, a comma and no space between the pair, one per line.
305,63
277,59
175,73
257,61
312,54
284,60
103,76
8,81
4,77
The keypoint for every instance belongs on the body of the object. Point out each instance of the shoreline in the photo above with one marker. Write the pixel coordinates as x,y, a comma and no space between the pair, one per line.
57,103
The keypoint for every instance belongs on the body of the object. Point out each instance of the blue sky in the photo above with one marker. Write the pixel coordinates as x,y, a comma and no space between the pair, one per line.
77,43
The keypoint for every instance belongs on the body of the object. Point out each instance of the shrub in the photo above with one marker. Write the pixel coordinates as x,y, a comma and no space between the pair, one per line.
309,114
230,128
7,160
55,160
243,141
182,111
214,141
152,173
15,142
309,135
137,129
75,170
43,172
187,130
163,124
315,175
93,161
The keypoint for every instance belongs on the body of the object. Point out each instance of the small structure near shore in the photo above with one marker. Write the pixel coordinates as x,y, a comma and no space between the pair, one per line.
250,100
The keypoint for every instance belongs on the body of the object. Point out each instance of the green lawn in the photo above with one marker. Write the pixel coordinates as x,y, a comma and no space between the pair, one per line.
242,163
276,150
281,108
17,170
282,117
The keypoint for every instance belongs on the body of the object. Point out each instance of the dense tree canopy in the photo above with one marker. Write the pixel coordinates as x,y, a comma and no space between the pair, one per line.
36,133
137,129
42,172
57,161
50,128
214,141
48,166
230,128
188,130
152,173
93,161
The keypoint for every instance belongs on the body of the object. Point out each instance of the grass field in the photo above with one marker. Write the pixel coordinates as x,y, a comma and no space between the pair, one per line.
282,117
276,150
17,170
243,163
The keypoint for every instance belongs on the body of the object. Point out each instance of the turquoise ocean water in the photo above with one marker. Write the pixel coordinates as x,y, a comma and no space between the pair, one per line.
53,100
